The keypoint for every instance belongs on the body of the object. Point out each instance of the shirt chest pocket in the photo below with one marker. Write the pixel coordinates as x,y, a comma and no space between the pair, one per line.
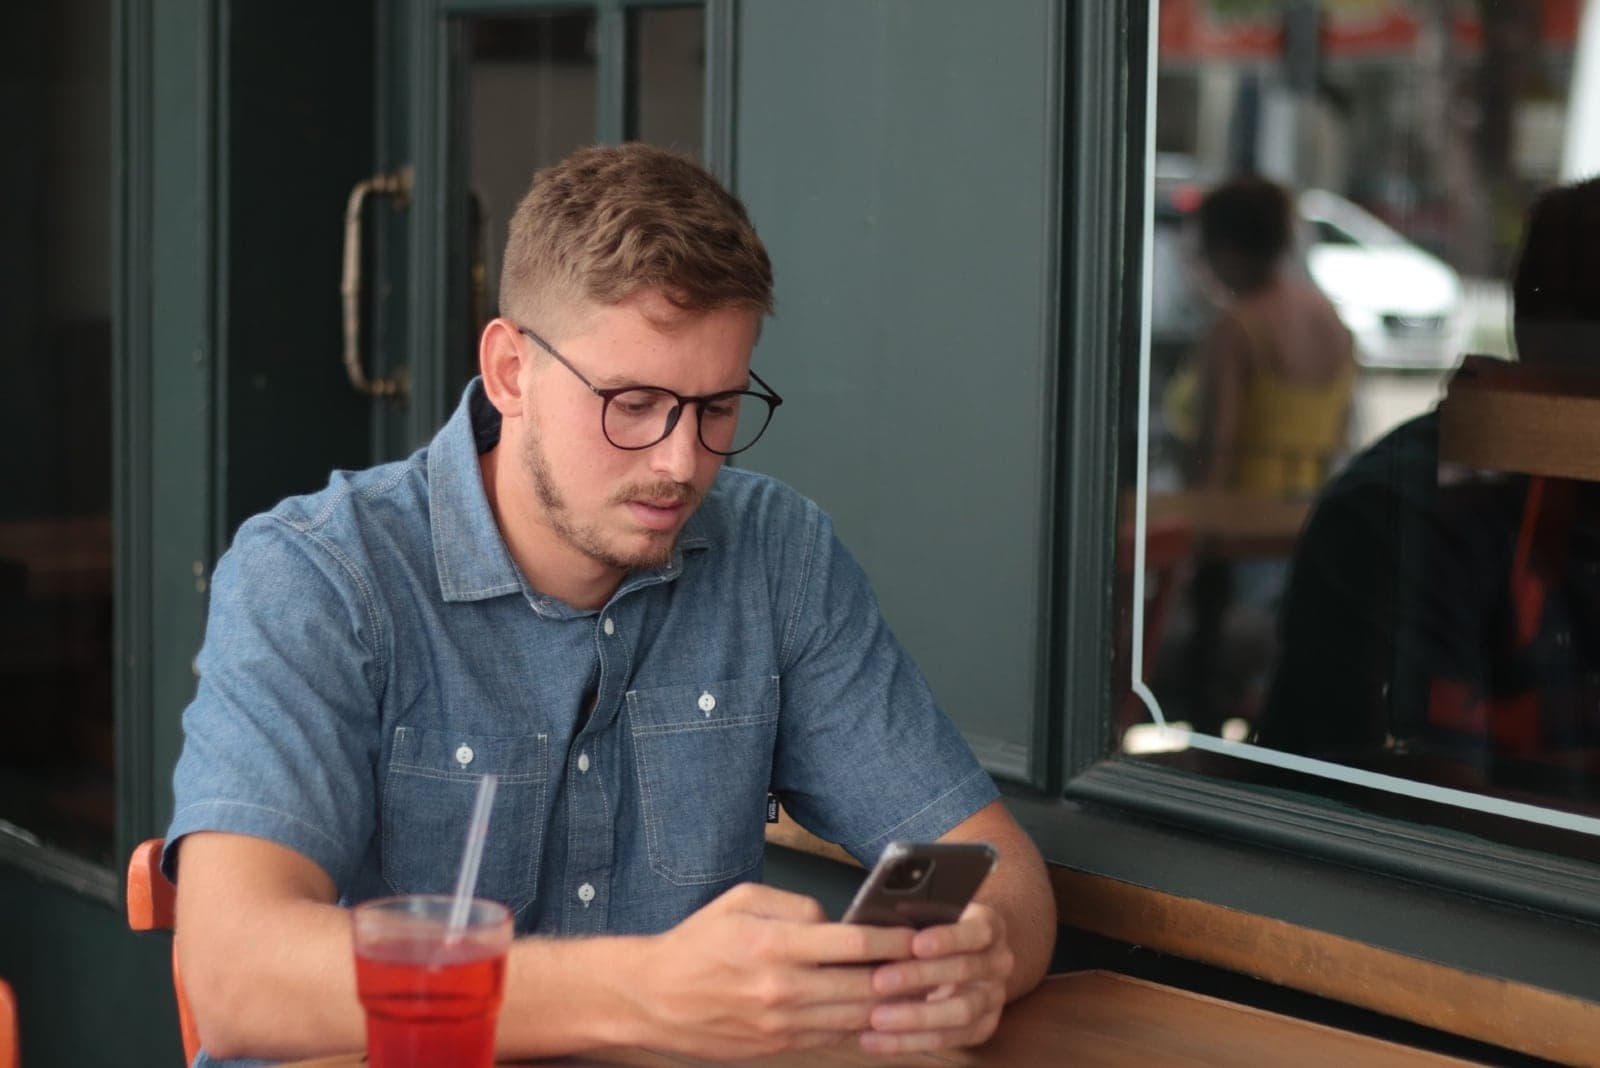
703,755
428,794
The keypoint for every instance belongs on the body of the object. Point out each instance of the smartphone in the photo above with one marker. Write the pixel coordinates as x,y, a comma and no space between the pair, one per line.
921,884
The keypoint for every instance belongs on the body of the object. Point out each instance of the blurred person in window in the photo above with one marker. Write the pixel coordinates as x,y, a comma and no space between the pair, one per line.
1273,377
1274,371
1443,620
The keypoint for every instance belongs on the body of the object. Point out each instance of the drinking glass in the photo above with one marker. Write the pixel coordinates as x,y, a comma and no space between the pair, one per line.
431,995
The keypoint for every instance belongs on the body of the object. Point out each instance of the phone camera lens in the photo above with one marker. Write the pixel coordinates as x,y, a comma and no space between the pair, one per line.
907,875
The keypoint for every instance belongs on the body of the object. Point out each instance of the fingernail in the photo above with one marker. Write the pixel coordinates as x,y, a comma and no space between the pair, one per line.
889,982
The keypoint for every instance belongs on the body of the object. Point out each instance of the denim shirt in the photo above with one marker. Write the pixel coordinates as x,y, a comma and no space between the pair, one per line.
372,650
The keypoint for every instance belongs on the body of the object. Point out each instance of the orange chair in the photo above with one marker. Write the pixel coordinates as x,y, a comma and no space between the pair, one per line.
9,1054
151,901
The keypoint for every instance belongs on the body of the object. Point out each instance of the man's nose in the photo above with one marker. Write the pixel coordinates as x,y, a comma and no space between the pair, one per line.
676,456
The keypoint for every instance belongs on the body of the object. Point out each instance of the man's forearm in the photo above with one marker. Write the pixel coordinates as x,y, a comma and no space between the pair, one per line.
563,996
1019,890
275,982
1030,918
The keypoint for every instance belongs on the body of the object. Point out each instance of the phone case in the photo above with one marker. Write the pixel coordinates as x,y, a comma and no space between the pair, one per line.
921,884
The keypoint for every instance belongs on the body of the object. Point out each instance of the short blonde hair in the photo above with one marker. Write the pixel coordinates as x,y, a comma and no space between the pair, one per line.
611,220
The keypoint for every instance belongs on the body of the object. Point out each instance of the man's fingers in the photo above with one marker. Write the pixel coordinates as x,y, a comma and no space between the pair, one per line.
847,943
978,929
838,1017
963,1010
797,988
911,976
818,1039
964,1019
771,903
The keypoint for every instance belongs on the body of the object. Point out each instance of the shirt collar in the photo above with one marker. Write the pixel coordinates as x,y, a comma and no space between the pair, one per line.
472,558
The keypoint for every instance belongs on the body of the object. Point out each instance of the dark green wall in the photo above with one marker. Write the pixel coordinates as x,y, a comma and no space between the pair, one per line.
89,991
900,161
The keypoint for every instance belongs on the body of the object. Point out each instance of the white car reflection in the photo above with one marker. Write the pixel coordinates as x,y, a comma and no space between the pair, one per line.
1404,306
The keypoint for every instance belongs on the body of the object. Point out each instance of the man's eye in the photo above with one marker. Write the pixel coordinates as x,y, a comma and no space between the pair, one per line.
723,409
637,404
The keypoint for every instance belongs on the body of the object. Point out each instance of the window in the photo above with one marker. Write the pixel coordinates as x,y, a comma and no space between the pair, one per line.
56,764
1356,569
531,88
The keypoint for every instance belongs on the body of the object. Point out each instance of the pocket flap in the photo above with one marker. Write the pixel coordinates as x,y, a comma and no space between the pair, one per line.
458,755
702,706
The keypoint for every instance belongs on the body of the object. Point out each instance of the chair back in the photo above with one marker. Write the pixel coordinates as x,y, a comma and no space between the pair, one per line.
9,1055
152,901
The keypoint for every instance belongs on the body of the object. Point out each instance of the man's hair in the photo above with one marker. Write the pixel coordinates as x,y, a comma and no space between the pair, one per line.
1251,217
1555,288
611,220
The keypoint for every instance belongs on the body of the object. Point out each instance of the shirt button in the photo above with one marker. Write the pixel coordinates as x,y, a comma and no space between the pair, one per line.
609,627
583,762
586,894
464,755
707,703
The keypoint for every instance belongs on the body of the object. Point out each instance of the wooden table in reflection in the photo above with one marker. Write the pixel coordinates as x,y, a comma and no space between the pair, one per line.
1232,525
60,557
1091,1019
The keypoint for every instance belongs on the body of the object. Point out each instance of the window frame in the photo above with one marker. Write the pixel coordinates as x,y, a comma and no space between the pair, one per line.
1110,50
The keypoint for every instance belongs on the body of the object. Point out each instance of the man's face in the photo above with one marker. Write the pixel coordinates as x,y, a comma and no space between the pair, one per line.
624,509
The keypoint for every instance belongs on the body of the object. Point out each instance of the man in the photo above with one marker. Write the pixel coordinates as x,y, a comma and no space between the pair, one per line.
568,589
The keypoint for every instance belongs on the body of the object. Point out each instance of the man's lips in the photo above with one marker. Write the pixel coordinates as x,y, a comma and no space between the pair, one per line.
658,514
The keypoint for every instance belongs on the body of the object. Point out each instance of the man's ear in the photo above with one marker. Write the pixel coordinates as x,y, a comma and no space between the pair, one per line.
501,357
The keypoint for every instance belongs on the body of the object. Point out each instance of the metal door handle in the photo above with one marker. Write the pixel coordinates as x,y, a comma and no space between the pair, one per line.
398,185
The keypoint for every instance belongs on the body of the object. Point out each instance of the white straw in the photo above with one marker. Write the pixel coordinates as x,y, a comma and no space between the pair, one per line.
467,881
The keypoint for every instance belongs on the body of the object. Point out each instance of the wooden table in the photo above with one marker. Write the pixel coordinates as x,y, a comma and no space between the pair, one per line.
1091,1019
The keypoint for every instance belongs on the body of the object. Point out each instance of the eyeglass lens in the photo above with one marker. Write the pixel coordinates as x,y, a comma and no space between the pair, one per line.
638,418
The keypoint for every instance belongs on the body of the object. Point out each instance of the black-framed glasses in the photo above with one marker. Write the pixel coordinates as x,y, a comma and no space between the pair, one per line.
637,417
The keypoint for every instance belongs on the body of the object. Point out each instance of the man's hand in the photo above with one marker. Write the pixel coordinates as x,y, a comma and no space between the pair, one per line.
759,971
951,993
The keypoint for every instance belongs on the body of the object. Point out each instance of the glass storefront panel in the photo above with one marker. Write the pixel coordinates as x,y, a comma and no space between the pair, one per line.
56,761
528,94
1360,515
667,77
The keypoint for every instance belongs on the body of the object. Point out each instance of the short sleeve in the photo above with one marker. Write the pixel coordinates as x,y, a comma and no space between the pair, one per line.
281,739
865,755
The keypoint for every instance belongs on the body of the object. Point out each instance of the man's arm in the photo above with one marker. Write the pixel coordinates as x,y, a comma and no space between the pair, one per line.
266,954
1018,891
268,967
964,973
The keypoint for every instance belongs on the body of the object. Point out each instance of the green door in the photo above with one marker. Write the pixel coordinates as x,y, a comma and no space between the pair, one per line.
174,354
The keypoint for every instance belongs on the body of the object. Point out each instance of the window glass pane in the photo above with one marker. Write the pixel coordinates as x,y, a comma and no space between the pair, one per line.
526,97
55,428
666,77
1331,578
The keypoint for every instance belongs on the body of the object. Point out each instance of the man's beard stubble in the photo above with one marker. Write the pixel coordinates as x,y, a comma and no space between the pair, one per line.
588,539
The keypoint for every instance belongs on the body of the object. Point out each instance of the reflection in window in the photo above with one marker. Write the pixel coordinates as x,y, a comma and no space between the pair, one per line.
56,762
530,85
666,77
1335,564
530,95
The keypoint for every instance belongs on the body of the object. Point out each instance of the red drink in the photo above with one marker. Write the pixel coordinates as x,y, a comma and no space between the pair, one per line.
430,1003
430,1014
